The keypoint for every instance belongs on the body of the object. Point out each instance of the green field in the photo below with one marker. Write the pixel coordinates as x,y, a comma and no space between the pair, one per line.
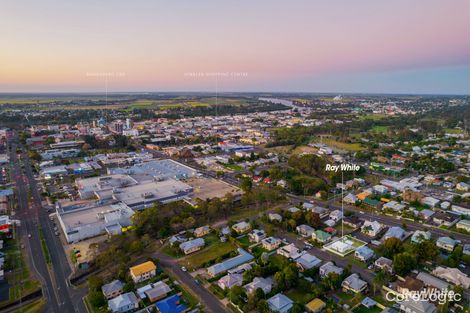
453,131
211,253
379,129
343,145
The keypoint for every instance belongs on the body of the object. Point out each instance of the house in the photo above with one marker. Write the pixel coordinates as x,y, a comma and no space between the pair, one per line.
280,303
372,203
464,225
430,201
453,276
466,249
307,261
372,229
158,291
256,235
352,221
123,303
321,236
462,186
202,231
241,227
219,268
271,243
394,206
230,280
395,232
384,264
432,281
420,235
408,285
143,271
446,243
315,306
289,251
265,284
307,206
112,289
328,268
336,215
274,217
192,245
179,238
293,210
350,199
171,305
380,190
354,284
363,195
322,212
364,253
443,219
410,306
304,230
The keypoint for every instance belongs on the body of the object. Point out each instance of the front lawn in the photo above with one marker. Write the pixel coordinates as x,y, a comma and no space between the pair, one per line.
209,254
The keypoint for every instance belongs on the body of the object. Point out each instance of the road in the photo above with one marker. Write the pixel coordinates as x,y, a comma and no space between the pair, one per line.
54,278
207,299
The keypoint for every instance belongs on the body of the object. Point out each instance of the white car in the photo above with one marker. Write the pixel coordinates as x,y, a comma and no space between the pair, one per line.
183,269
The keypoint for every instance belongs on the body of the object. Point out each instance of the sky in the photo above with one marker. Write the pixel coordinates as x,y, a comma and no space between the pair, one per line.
400,46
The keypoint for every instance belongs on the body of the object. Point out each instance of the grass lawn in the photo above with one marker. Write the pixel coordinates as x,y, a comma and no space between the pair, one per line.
453,131
211,253
233,167
279,261
34,307
379,129
343,145
244,241
300,296
372,116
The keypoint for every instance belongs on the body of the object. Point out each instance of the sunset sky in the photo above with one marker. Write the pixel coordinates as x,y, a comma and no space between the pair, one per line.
398,46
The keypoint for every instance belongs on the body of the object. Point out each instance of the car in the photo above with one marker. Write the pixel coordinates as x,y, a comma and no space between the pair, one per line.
197,281
183,269
29,235
56,233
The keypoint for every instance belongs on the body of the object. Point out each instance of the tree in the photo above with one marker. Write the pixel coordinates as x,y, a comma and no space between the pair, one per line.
404,262
391,246
237,295
426,250
331,281
246,184
313,219
96,299
380,279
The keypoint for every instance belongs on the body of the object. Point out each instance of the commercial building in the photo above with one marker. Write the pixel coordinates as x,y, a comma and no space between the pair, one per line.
80,222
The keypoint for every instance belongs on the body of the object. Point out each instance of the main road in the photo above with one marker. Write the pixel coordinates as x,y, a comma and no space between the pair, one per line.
54,277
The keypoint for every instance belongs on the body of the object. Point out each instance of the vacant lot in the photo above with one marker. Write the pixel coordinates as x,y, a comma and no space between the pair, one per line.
343,145
208,188
211,253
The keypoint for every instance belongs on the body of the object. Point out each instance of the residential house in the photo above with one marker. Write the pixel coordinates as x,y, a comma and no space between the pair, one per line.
372,203
420,235
350,199
336,215
453,276
112,289
410,306
395,232
290,251
464,225
315,306
192,245
430,201
364,253
202,231
143,271
328,268
305,230
230,280
443,219
280,303
307,261
372,229
462,186
321,236
256,235
219,268
431,281
322,212
352,221
384,264
158,291
446,243
271,243
354,284
123,303
408,285
274,217
241,227
394,206
265,284
171,304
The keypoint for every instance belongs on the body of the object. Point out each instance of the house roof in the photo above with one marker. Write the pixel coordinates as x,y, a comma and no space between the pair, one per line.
315,305
112,286
122,301
159,289
171,305
279,302
221,267
198,242
142,268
